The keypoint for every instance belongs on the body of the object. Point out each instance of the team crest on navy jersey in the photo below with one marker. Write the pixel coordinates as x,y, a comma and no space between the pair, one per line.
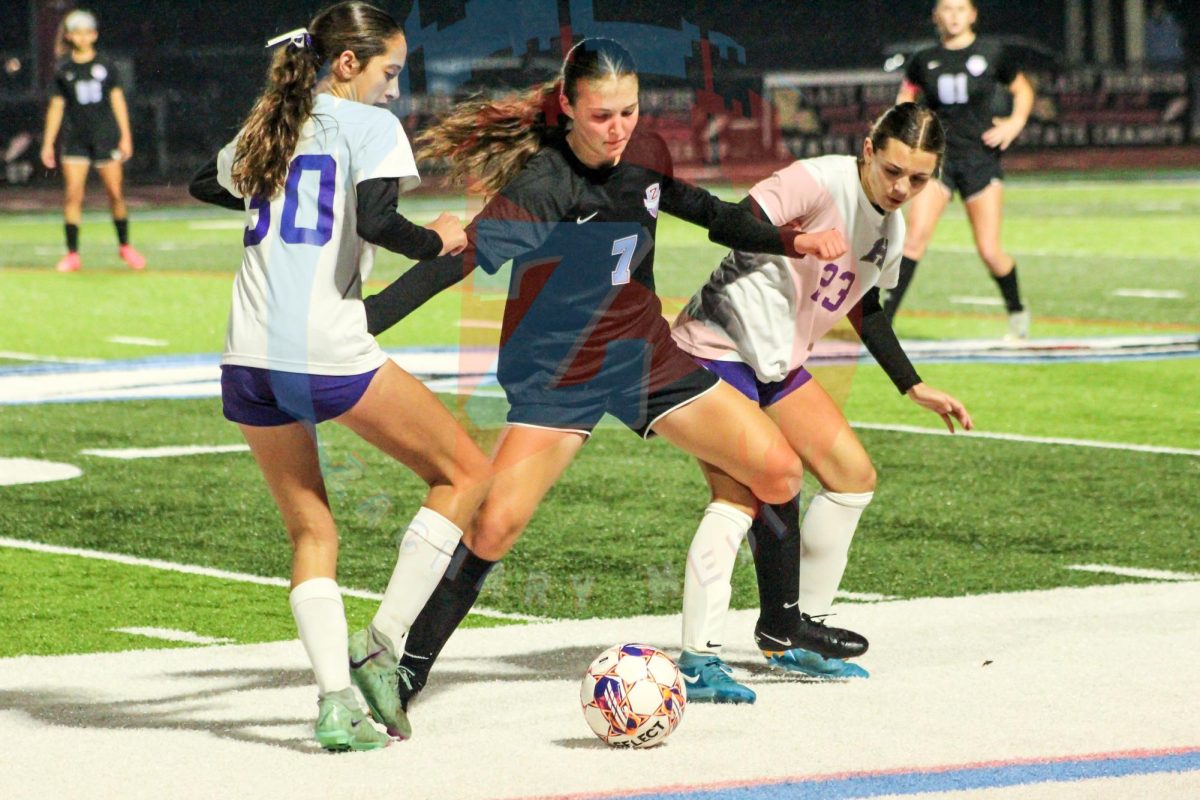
651,199
99,72
976,65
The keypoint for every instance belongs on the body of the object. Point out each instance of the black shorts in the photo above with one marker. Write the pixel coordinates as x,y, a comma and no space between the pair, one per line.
639,392
99,146
970,170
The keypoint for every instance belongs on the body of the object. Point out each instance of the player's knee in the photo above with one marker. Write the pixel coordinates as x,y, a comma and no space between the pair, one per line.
860,478
782,481
496,529
993,256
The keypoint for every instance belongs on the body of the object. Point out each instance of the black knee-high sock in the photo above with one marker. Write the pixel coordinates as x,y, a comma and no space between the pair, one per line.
1010,291
775,542
122,226
456,592
72,237
908,268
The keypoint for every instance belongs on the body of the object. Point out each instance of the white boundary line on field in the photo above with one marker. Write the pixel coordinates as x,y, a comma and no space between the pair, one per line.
128,453
209,572
172,635
1136,572
1013,437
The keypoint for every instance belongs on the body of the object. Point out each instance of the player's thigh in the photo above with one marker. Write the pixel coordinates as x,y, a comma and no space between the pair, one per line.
815,428
75,172
400,416
111,175
985,209
924,211
728,430
527,461
288,458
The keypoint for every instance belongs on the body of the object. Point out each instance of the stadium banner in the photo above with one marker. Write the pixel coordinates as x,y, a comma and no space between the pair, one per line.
821,112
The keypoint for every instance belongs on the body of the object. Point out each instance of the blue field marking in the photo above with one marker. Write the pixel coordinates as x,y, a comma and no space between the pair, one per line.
945,779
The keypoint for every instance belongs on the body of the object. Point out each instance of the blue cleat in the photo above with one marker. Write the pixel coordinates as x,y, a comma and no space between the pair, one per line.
710,680
809,663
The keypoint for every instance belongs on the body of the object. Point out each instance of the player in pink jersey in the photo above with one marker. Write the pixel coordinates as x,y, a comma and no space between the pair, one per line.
754,323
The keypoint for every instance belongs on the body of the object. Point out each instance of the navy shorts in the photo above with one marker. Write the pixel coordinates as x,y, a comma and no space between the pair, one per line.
97,146
639,389
741,377
266,397
969,171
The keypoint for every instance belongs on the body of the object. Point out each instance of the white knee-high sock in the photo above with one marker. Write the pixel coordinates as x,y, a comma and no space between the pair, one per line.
706,579
425,551
825,536
321,620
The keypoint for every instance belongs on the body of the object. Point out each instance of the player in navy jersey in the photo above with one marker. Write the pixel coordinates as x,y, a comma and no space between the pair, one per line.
577,193
317,170
88,106
958,79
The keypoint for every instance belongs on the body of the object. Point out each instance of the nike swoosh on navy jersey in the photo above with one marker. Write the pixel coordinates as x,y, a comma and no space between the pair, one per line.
581,220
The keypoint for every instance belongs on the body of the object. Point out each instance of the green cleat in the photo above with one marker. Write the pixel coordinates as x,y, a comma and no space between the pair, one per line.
375,671
342,724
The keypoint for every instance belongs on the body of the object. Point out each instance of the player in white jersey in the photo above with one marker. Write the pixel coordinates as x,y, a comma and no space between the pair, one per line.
754,323
317,169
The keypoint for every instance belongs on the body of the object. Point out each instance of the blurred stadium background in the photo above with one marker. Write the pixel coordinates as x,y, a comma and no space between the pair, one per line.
192,70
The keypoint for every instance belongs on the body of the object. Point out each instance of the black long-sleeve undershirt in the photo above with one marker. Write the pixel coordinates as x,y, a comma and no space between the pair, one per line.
377,220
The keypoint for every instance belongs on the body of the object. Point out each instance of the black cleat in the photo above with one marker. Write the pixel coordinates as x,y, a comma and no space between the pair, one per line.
812,634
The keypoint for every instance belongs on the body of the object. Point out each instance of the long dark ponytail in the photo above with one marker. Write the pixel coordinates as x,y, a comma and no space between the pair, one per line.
492,139
272,128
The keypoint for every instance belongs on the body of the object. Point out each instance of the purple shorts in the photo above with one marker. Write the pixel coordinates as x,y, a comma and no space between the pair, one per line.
268,397
741,377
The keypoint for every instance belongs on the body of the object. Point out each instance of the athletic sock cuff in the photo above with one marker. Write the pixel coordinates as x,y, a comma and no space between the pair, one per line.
848,499
441,534
315,589
730,513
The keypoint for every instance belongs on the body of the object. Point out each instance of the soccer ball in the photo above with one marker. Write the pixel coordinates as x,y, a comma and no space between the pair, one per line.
633,696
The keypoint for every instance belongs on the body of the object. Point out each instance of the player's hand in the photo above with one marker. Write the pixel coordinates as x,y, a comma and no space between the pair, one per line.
942,404
826,245
48,159
1004,131
125,148
450,228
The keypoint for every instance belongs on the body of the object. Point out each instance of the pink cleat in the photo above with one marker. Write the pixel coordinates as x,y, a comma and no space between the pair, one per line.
132,257
69,263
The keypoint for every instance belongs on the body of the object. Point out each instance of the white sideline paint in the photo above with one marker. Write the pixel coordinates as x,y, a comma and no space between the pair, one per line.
1152,294
17,471
130,453
138,341
47,359
209,572
172,635
1012,437
1135,572
865,597
955,681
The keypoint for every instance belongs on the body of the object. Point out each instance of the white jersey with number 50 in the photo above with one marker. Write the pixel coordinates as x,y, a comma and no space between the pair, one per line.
768,311
297,299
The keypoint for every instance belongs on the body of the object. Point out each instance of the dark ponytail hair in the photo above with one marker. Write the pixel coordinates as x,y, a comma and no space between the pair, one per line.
272,128
492,139
914,125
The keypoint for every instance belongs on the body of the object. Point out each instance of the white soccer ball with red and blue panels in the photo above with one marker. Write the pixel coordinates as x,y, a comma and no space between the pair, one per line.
633,696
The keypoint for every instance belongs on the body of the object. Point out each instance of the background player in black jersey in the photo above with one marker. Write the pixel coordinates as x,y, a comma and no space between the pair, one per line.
958,79
575,208
88,106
